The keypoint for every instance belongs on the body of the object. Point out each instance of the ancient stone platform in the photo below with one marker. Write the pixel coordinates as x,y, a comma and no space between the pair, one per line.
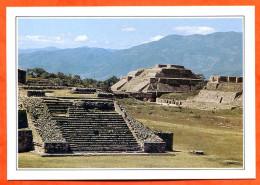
150,83
72,125
222,89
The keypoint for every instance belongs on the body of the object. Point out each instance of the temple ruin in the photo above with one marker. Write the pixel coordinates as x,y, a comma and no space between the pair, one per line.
53,125
149,83
222,89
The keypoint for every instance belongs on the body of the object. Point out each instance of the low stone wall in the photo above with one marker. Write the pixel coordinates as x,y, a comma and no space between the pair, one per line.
25,140
56,147
99,105
169,101
105,95
43,87
144,96
35,93
121,95
142,133
167,138
22,119
232,79
83,91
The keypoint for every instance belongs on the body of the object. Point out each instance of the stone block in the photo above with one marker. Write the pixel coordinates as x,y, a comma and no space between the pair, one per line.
21,76
22,119
154,147
56,147
25,140
167,138
35,93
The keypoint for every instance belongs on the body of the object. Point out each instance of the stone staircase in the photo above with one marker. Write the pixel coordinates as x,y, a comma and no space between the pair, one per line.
57,106
92,129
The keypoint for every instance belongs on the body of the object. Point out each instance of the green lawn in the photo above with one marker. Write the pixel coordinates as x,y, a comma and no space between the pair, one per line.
180,160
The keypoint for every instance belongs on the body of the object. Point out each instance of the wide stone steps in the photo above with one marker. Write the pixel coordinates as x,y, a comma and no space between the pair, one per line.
118,145
101,138
87,122
107,142
117,135
91,129
95,127
105,148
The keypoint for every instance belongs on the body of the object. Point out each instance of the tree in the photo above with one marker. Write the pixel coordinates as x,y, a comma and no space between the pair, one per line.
39,71
60,75
109,82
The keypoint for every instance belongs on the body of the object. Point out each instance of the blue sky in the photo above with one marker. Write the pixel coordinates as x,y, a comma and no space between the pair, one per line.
114,33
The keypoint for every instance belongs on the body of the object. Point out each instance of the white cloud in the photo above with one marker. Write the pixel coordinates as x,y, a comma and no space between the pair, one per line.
128,29
39,38
81,38
156,38
189,30
107,42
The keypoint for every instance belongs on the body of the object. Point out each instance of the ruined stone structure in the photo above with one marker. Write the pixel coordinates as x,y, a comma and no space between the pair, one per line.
152,82
71,124
169,101
222,89
219,79
21,76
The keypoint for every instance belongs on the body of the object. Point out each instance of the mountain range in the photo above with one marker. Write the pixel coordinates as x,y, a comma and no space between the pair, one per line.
219,53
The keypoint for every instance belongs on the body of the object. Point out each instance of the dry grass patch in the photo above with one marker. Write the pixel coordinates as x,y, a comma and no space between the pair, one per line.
218,133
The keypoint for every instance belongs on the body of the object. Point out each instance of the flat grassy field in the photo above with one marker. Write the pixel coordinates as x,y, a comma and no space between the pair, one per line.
218,133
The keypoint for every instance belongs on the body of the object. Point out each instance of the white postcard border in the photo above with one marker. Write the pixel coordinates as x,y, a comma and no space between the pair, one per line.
249,170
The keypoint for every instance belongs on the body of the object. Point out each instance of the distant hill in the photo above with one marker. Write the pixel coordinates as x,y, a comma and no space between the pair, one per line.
217,53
